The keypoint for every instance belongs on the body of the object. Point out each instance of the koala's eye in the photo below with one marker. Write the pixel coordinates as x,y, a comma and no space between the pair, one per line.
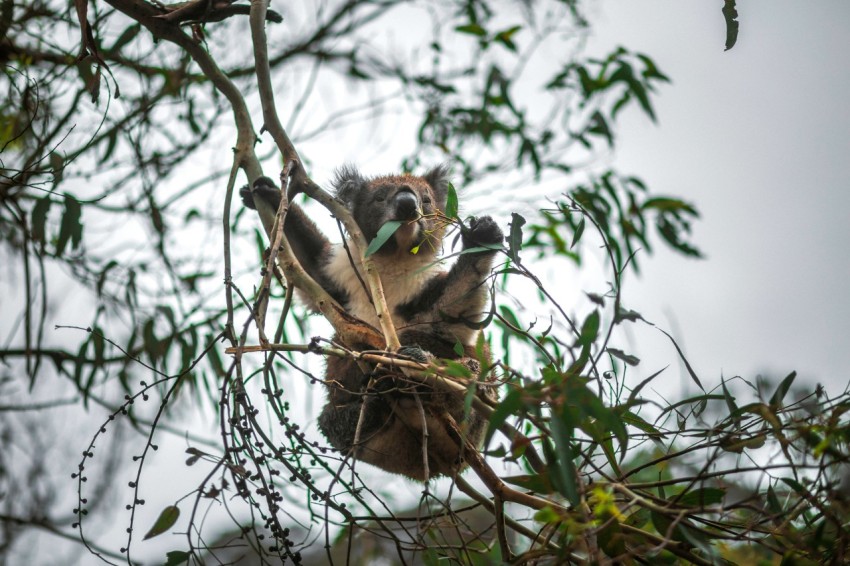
426,199
379,198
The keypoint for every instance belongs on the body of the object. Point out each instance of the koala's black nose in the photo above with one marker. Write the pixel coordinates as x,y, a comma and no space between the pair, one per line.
406,205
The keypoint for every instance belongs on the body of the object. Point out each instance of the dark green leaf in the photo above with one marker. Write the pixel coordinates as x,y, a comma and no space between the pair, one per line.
509,316
112,142
457,369
611,539
126,37
451,202
730,14
578,365
599,126
730,401
531,149
6,12
639,90
773,501
667,204
627,358
626,314
458,349
620,104
165,521
101,278
506,37
468,398
596,298
681,532
671,231
515,238
639,423
694,536
94,87
577,234
651,70
99,345
599,433
589,329
697,399
196,455
78,370
187,354
703,497
796,486
737,444
562,462
782,390
71,229
39,218
510,405
384,234
633,395
150,343
214,358
684,360
538,483
176,557
357,73
472,29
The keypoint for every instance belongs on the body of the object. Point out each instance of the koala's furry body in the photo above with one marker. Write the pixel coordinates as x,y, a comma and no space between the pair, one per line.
432,310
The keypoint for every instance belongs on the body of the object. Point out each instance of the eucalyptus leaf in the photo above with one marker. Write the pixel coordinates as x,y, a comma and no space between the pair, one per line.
515,238
451,202
165,521
384,234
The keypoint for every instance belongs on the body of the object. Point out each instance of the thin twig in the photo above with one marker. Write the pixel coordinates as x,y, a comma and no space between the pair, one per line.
426,474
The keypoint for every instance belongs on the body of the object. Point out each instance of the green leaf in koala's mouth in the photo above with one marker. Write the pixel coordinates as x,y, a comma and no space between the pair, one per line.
387,230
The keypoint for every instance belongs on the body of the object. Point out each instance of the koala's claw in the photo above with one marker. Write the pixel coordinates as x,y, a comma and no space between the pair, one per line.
483,231
416,354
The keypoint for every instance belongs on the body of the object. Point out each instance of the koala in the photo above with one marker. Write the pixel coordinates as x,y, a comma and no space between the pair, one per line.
433,310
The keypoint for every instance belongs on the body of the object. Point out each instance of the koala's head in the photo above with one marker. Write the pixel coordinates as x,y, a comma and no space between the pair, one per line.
407,198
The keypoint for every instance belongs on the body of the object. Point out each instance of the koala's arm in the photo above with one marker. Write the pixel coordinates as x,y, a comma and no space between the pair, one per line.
310,246
461,293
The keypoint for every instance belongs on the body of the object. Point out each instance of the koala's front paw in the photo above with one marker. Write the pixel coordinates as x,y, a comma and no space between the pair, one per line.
247,197
416,354
482,232
264,190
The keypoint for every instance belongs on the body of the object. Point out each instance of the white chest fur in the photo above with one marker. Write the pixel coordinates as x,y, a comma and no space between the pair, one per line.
403,278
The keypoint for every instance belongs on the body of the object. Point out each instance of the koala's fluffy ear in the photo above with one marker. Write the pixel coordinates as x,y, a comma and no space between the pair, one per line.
438,178
348,183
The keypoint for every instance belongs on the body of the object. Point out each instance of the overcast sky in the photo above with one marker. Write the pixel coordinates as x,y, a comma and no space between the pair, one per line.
759,138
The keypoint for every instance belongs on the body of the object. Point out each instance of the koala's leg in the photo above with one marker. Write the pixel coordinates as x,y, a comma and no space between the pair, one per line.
386,441
339,422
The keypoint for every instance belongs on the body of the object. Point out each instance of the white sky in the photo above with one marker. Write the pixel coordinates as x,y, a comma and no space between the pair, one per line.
759,138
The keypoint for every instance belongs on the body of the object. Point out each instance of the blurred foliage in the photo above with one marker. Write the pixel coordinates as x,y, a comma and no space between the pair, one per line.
114,127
